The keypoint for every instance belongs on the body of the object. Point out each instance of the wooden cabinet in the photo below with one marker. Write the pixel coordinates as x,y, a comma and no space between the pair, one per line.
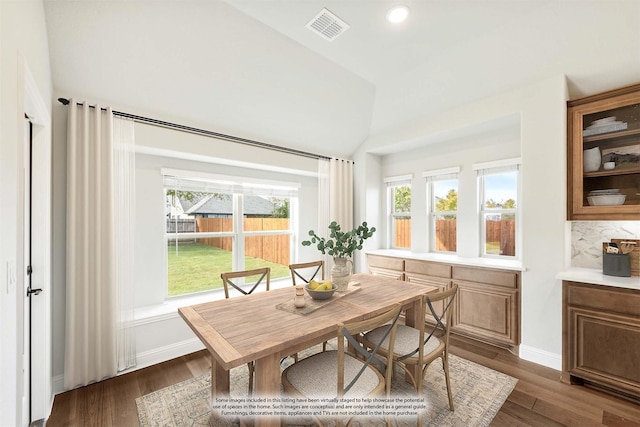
605,125
487,307
601,337
430,274
386,266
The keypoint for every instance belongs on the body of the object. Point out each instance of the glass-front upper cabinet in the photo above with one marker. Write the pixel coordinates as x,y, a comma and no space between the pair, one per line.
603,154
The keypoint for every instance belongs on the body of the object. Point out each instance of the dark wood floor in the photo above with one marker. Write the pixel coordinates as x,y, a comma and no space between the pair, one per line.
539,399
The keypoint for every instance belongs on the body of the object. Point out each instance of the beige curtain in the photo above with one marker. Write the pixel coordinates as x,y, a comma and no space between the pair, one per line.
93,320
335,197
341,192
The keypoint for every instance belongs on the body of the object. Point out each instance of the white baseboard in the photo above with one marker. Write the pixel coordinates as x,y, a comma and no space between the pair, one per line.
541,357
58,385
168,352
148,358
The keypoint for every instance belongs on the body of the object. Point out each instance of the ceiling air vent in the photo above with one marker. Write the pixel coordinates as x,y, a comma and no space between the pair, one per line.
327,25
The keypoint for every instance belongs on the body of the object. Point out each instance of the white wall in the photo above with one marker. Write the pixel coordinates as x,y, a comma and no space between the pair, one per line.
23,44
541,109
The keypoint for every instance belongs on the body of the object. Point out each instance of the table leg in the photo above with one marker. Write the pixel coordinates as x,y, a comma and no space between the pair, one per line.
267,376
219,380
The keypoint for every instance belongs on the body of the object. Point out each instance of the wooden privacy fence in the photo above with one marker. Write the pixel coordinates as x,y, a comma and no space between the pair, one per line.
500,232
504,233
269,248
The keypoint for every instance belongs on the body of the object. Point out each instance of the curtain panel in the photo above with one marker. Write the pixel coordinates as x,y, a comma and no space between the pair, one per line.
95,270
335,197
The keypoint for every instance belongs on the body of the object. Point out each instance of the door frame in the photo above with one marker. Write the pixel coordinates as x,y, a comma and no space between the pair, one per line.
35,108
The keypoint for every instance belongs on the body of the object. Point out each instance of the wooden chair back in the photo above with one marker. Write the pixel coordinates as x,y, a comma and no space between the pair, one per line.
229,280
304,272
437,308
350,331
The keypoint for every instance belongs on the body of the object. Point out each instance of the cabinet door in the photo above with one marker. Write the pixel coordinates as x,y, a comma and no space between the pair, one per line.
487,312
605,348
604,129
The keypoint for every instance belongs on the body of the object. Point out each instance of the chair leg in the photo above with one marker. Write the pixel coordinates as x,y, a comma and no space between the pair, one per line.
445,365
251,369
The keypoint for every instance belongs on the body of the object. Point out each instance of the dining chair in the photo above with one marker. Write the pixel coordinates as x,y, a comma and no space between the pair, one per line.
420,345
229,282
351,371
305,272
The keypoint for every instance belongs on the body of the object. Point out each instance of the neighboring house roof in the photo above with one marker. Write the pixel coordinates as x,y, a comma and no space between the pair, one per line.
253,205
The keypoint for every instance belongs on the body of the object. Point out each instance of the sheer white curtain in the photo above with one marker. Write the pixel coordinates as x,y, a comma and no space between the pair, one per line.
124,166
93,302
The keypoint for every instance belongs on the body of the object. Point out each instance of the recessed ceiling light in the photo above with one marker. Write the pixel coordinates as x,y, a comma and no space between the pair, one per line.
397,14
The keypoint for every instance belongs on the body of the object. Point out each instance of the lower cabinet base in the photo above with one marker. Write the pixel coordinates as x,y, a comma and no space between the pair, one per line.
512,348
581,382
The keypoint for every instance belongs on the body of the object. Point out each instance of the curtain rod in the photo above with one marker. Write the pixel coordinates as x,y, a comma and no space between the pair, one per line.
205,132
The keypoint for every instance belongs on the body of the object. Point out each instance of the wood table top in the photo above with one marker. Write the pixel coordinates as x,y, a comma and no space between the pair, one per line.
246,328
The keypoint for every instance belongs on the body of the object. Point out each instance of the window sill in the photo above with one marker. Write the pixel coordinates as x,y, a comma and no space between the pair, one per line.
169,309
509,264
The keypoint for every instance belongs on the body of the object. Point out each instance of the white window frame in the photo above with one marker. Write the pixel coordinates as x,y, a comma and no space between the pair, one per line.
494,168
431,177
392,183
238,187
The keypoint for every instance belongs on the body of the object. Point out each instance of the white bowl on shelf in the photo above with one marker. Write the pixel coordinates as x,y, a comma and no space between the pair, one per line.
606,200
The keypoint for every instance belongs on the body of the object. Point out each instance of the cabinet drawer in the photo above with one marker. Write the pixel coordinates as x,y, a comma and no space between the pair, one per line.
422,279
504,278
392,274
613,300
428,268
387,263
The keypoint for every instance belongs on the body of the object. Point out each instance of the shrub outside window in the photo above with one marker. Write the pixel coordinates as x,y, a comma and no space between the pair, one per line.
399,208
498,186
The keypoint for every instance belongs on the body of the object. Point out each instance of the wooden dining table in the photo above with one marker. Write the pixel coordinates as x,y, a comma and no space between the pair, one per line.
252,328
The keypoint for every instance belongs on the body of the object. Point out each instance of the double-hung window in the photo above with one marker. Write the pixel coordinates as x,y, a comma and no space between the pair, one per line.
216,224
399,211
442,205
498,185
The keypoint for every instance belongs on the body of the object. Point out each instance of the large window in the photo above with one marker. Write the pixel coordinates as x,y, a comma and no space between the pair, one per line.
498,190
216,224
442,197
399,209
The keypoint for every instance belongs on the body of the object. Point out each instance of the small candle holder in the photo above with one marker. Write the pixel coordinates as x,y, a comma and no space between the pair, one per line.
298,300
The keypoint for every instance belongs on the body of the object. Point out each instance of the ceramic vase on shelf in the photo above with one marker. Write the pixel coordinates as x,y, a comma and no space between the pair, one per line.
591,159
341,273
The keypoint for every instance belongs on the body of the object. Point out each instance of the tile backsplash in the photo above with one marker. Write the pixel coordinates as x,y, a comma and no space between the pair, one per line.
587,238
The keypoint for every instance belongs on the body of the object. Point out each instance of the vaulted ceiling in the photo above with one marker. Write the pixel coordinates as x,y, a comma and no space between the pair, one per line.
252,69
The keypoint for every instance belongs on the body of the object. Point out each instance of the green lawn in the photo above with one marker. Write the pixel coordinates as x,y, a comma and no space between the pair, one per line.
196,267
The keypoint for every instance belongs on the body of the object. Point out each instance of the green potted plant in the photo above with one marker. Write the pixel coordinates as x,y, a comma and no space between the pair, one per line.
340,245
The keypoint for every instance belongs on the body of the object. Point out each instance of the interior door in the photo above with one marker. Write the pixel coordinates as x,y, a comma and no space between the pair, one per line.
37,383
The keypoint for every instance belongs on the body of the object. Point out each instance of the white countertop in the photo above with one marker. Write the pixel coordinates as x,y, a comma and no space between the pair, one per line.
593,276
507,264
